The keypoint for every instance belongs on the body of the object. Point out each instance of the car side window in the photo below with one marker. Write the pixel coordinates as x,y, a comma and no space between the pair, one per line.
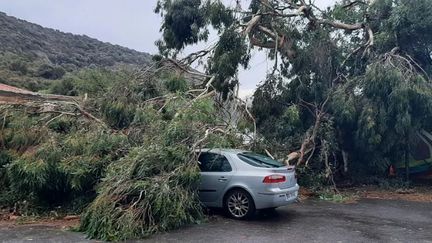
210,162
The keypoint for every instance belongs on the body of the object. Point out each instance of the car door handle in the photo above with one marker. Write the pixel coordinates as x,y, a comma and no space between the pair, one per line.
222,179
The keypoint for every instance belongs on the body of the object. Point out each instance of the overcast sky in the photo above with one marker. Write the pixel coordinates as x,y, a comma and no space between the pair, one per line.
130,23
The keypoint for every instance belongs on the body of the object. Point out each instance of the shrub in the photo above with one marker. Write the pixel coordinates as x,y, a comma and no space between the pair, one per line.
50,72
5,159
118,114
19,67
21,134
36,173
63,125
64,87
86,156
311,179
176,84
53,165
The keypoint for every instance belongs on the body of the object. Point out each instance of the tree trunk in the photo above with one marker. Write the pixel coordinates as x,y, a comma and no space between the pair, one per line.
407,170
345,160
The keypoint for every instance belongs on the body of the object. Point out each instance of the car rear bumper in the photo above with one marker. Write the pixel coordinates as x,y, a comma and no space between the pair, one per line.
276,198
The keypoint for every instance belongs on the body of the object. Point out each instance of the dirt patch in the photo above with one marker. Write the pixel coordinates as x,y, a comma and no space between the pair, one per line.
305,193
416,194
353,194
10,220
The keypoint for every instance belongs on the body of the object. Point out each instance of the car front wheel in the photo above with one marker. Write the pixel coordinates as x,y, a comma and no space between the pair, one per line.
239,204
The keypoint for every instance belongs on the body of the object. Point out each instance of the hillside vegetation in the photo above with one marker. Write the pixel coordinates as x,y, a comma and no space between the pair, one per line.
31,55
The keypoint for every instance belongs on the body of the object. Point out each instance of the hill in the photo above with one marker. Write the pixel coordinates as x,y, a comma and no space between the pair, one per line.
31,55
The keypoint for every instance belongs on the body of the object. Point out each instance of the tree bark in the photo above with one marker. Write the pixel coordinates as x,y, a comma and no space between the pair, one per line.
44,103
345,160
407,169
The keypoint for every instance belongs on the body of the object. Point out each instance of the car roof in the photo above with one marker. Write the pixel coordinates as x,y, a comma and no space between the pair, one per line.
221,150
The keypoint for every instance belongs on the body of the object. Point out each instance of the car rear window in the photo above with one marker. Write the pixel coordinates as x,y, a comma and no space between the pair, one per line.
259,160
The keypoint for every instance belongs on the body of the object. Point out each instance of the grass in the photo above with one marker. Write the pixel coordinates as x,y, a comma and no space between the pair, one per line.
337,197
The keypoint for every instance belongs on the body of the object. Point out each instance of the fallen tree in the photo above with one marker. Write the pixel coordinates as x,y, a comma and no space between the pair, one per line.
136,144
312,108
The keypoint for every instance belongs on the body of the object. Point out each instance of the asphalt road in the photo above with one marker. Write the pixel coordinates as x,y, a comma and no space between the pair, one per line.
309,221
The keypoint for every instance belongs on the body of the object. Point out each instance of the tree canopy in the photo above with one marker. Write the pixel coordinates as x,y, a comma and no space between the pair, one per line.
350,83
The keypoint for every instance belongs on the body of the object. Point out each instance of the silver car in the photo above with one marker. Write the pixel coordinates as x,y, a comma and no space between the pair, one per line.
242,182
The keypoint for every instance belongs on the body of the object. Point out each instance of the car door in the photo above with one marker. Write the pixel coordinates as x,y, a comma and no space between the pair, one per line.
216,173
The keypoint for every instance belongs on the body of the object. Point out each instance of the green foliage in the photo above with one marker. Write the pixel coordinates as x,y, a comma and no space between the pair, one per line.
411,21
118,114
219,15
139,176
377,98
154,187
51,165
312,179
63,125
395,106
186,22
231,52
35,174
64,87
20,134
85,158
327,195
182,23
93,82
96,82
19,66
49,72
5,159
359,103
165,205
176,84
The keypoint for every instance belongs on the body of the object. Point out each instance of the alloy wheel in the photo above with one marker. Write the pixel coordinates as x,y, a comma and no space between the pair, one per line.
238,205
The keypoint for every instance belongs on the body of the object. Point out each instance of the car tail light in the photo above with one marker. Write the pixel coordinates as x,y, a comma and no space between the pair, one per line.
274,179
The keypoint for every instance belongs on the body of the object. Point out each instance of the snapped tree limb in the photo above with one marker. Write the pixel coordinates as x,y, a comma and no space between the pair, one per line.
44,103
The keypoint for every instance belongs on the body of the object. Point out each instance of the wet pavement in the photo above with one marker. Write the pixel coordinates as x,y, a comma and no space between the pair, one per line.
309,221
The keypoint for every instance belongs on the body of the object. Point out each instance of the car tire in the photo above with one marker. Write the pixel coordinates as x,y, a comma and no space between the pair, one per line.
239,204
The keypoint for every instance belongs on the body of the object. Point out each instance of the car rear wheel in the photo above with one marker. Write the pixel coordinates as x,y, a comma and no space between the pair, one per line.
239,204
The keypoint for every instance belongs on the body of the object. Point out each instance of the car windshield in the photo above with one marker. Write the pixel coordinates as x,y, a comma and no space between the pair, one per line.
259,160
